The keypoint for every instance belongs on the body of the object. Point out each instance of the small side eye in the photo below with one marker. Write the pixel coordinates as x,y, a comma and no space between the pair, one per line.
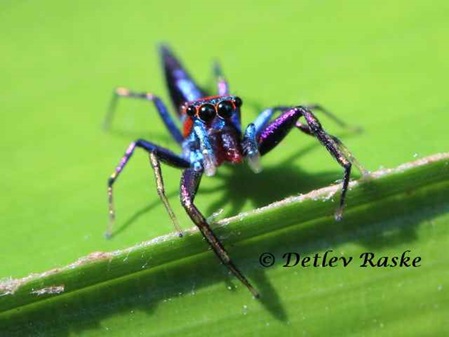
207,112
190,110
225,109
237,101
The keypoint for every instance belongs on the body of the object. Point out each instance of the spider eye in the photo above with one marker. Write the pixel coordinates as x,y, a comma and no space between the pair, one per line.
225,109
190,111
237,101
207,112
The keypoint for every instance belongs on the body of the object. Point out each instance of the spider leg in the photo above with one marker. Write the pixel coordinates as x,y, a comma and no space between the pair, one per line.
157,154
189,186
266,115
222,83
306,129
274,133
327,113
181,86
250,142
158,103
156,165
264,118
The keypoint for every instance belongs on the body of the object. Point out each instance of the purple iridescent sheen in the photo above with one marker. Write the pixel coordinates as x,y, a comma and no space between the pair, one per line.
277,130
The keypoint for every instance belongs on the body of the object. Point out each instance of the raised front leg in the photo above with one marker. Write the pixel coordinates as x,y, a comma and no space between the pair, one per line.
189,185
265,116
306,129
157,154
269,137
158,103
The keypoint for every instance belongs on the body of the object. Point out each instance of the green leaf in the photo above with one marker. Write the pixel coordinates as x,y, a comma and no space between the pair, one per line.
391,204
381,67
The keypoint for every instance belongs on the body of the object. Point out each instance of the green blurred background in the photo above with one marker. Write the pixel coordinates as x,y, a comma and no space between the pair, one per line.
382,66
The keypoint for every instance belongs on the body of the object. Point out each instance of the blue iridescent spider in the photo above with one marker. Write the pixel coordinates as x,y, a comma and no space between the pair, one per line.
212,135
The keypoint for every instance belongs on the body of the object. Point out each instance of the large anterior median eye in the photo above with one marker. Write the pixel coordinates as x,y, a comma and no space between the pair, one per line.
225,109
207,112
